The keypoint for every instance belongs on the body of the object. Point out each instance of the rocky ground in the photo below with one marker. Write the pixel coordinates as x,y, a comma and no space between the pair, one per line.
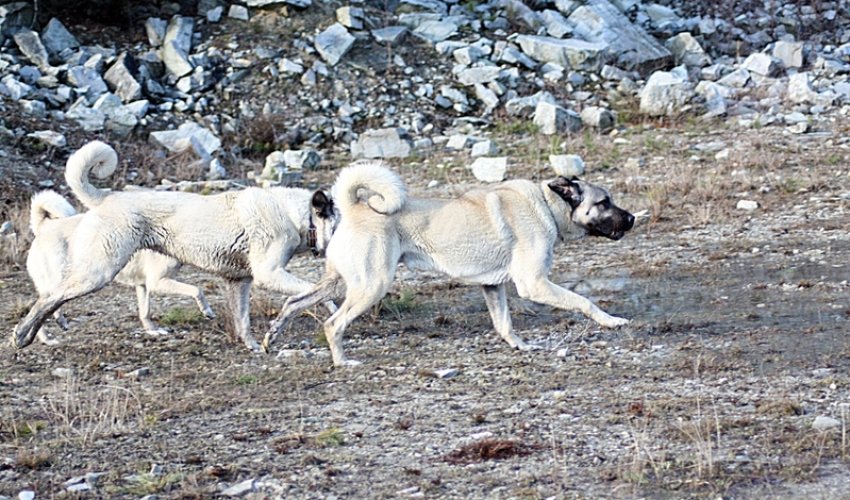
730,381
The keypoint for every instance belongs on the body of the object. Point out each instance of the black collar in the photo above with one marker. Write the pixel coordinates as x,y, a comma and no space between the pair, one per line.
311,236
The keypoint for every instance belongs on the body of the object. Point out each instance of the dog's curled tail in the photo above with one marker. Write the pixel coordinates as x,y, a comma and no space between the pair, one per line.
383,189
48,205
96,158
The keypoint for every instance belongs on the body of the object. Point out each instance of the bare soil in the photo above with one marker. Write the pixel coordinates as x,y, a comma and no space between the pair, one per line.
739,341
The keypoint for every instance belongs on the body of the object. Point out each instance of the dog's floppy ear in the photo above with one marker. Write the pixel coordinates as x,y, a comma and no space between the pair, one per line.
568,189
322,204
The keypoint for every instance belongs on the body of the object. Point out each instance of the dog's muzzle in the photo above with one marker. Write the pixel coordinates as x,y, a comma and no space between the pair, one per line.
614,227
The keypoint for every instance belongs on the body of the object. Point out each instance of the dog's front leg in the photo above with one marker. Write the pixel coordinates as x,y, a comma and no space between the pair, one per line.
546,292
497,304
324,291
143,298
239,297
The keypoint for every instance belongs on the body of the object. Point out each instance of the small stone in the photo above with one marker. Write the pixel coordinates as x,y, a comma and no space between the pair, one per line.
567,165
789,53
184,137
390,34
240,489
30,45
598,117
822,423
275,166
49,137
62,372
350,17
798,128
26,495
333,43
238,12
56,38
634,163
138,373
214,15
490,169
301,159
666,92
553,119
761,64
380,143
155,29
484,148
7,228
435,31
459,142
446,373
748,205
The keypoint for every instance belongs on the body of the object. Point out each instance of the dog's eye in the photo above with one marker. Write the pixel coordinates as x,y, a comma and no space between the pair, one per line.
604,204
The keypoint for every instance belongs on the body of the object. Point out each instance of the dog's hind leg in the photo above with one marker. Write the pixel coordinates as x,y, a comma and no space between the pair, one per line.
497,304
27,329
544,291
239,297
327,289
357,301
174,287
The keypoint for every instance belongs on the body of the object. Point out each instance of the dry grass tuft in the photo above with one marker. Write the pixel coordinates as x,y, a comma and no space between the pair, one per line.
33,459
489,449
84,413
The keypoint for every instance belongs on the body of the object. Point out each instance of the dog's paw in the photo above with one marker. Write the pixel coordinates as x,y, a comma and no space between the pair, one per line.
208,313
253,346
348,363
48,341
614,322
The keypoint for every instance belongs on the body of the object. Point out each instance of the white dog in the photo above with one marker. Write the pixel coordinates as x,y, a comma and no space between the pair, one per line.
242,236
488,237
53,221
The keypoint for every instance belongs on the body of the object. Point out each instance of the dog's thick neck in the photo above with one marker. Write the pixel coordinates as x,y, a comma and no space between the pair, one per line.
567,229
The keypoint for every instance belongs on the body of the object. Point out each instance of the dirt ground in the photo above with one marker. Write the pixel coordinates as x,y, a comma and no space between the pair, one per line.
739,341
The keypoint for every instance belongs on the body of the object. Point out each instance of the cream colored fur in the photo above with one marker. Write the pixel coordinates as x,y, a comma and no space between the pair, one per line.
53,221
243,236
487,237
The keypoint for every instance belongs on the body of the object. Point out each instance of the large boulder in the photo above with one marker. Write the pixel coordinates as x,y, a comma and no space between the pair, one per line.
553,119
380,143
666,92
687,50
333,43
571,53
633,48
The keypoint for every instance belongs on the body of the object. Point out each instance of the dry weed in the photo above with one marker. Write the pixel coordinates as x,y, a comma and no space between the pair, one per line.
84,413
489,449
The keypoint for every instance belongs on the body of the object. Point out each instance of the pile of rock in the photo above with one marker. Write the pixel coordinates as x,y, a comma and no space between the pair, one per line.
563,66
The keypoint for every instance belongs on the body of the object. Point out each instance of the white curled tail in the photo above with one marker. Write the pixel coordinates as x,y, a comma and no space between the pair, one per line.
381,188
48,205
96,158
